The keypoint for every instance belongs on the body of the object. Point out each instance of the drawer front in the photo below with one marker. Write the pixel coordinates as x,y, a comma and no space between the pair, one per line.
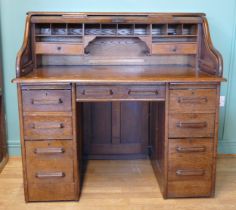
51,191
193,101
175,48
189,188
58,48
191,125
49,161
46,100
156,92
190,159
47,127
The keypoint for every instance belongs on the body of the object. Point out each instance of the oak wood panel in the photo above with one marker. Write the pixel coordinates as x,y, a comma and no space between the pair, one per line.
157,142
47,127
46,100
58,49
130,139
191,125
193,101
51,191
189,188
174,48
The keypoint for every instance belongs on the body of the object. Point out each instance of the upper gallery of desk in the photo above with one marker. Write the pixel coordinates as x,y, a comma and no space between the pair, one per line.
118,48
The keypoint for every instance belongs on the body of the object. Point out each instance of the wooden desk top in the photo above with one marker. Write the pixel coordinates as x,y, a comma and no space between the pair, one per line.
117,74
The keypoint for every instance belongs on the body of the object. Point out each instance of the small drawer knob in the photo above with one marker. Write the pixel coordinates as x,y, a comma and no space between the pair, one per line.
174,49
59,48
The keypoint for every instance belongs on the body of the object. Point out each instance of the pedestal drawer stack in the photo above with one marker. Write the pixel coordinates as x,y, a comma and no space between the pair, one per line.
48,142
192,115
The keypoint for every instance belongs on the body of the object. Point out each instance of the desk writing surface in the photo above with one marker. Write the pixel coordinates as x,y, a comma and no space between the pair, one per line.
117,74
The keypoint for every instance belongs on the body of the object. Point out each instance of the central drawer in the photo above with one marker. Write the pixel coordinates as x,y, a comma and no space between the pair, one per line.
126,92
47,127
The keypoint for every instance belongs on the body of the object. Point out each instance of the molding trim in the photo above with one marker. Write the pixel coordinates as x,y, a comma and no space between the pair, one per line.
227,147
14,148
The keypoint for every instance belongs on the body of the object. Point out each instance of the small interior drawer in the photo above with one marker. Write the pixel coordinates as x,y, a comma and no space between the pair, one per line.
59,48
193,100
46,100
191,125
47,127
174,48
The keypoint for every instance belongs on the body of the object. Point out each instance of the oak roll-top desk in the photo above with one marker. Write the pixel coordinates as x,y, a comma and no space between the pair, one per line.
118,85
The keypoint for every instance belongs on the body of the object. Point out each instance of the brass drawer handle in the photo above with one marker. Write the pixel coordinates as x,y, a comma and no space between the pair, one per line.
46,175
192,100
47,101
194,172
49,151
97,92
143,92
190,149
196,125
47,126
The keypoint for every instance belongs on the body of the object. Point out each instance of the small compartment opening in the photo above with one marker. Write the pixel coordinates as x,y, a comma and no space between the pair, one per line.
75,29
109,29
125,29
159,29
142,29
174,29
43,29
59,29
92,29
190,29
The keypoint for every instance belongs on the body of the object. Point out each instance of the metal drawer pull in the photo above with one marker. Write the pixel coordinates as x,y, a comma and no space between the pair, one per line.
48,126
192,100
143,92
194,172
190,149
191,125
97,92
49,151
41,175
47,101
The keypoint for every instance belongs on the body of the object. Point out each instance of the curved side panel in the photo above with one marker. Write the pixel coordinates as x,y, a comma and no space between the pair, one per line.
24,63
211,60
